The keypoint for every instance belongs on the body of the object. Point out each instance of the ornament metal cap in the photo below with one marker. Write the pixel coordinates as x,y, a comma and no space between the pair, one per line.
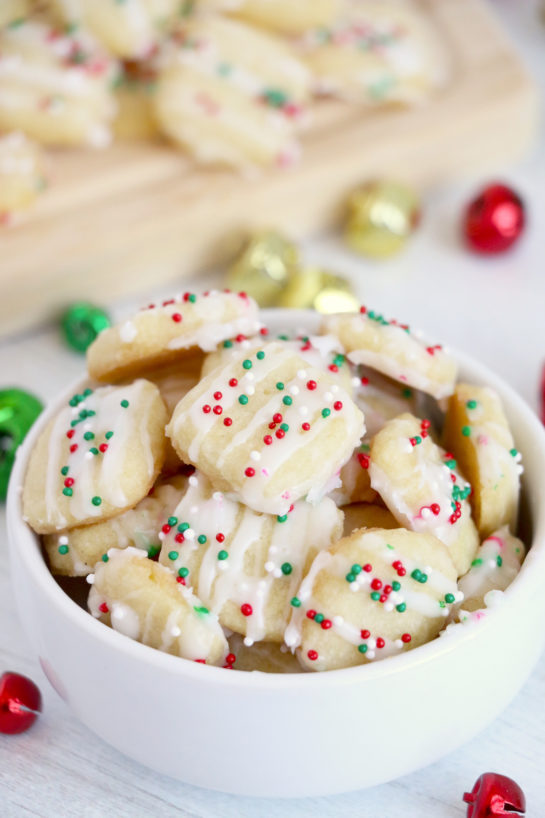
264,267
321,290
381,217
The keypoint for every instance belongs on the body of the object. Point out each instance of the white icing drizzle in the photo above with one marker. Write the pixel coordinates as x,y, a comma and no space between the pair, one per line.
496,564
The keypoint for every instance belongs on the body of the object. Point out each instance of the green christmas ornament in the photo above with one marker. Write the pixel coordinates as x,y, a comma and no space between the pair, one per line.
81,323
18,411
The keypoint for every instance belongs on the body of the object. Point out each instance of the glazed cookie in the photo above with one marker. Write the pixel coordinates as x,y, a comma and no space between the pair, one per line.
355,482
376,52
99,456
230,94
367,515
268,427
321,351
142,600
170,331
478,435
381,398
128,29
284,16
265,657
393,350
372,594
421,487
135,117
495,566
22,175
74,553
245,566
55,86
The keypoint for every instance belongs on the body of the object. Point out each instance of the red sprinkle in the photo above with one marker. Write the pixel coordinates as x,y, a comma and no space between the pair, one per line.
338,405
233,382
230,659
333,368
206,408
103,607
312,655
363,460
201,661
305,427
179,537
240,338
425,424
326,624
166,528
277,417
311,613
365,634
246,609
380,642
73,448
406,638
227,421
311,385
280,433
365,381
363,310
176,317
220,537
69,482
249,472
217,409
181,580
435,508
376,584
70,433
263,331
367,567
218,396
267,440
103,447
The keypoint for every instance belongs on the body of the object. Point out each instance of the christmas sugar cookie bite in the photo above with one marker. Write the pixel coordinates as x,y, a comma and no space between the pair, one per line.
283,16
494,568
98,456
22,175
394,350
372,594
231,94
75,552
477,433
245,566
421,487
55,85
269,428
170,330
142,600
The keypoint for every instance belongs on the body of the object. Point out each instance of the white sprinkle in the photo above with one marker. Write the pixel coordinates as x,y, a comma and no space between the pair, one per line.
370,654
245,344
161,535
273,549
445,611
250,376
371,643
354,586
338,620
269,566
223,565
428,570
90,578
127,332
290,639
294,390
303,411
301,373
334,388
63,540
193,481
328,397
175,631
250,390
356,382
388,606
189,534
255,455
194,510
87,427
217,496
89,455
398,643
248,642
277,573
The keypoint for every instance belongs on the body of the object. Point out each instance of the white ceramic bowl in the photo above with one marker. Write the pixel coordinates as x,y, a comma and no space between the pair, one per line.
289,735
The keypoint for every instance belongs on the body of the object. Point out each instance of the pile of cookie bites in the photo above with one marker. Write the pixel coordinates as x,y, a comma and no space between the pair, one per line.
281,503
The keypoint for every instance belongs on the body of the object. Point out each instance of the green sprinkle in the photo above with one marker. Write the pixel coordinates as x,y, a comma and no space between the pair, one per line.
362,648
391,547
419,575
338,360
74,401
87,392
200,609
449,598
283,337
105,558
247,364
96,501
284,427
88,436
260,355
407,393
243,399
65,470
356,569
350,577
280,386
287,400
201,539
183,527
153,550
124,404
63,549
275,97
319,618
286,568
295,602
471,404
183,571
451,464
67,492
108,435
222,555
227,344
173,555
282,518
375,596
466,431
172,521
326,413
192,298
94,450
396,585
401,607
513,452
499,561
418,439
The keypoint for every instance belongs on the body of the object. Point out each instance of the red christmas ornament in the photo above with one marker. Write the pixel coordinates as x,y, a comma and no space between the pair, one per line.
20,703
495,794
494,220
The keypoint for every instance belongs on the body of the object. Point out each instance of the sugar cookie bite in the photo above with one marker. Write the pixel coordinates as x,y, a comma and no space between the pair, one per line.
393,350
496,564
56,86
142,600
372,594
245,566
269,428
477,433
98,456
231,94
22,173
169,331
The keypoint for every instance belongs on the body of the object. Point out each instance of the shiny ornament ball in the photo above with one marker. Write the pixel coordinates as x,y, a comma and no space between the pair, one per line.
20,703
320,290
18,411
494,794
494,220
381,218
264,267
81,323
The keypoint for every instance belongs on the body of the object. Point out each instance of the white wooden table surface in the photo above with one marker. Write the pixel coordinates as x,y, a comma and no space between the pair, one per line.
493,308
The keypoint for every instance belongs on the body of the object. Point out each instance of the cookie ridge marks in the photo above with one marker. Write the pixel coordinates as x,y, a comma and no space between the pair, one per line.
391,348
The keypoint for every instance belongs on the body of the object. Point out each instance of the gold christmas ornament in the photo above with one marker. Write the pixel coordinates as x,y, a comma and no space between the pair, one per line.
382,216
313,288
263,268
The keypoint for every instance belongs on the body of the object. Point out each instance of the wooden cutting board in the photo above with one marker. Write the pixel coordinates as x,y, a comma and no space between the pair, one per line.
135,215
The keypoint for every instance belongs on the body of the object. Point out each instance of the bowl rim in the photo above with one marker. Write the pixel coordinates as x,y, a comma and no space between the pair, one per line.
527,581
